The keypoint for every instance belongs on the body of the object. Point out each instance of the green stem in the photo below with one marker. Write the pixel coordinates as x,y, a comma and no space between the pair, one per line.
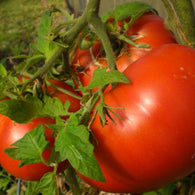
129,41
181,20
92,6
44,68
70,173
102,34
64,91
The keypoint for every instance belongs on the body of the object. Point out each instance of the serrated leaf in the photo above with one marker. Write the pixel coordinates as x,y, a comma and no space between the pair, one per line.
47,184
43,45
130,9
3,71
102,77
53,107
73,144
29,149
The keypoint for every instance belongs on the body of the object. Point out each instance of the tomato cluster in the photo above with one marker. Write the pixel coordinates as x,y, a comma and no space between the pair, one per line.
11,132
151,141
154,143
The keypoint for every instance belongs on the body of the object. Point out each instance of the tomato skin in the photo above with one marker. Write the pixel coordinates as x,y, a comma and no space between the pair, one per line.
154,143
11,131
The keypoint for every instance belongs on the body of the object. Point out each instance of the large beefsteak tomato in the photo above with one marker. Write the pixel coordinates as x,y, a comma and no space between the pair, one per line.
11,131
154,143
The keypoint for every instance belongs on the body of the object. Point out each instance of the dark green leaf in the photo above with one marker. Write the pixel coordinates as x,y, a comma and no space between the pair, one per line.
73,144
102,77
19,110
131,9
47,184
22,111
29,149
168,189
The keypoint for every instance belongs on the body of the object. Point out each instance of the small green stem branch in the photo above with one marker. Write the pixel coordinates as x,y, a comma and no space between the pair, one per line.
64,91
181,20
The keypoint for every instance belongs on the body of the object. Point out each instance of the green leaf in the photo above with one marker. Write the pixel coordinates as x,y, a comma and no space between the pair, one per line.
131,9
73,144
29,149
22,111
102,77
4,183
3,71
32,188
48,184
43,44
19,110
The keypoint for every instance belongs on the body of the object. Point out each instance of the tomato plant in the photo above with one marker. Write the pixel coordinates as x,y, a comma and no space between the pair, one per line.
134,137
11,131
153,144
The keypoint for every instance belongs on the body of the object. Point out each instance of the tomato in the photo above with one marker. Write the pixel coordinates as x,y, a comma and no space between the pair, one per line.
154,143
11,131
149,29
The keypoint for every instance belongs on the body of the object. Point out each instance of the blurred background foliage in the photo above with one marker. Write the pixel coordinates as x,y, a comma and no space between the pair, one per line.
20,18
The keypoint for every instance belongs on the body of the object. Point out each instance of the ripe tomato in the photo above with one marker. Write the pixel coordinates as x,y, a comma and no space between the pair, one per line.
154,143
149,29
11,131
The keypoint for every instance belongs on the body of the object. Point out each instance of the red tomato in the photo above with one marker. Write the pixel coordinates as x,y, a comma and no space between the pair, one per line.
150,29
154,143
11,131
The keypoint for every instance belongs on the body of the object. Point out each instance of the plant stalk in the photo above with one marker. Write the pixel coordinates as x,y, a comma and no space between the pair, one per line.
181,20
70,173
